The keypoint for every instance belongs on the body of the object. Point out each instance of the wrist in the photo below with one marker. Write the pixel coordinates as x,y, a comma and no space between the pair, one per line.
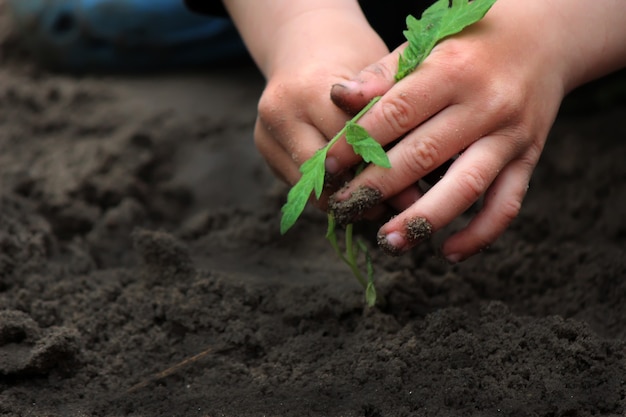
570,41
278,32
323,39
587,38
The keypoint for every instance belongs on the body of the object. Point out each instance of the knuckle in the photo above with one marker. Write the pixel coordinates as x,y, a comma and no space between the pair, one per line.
377,70
422,157
261,140
481,242
456,60
472,184
270,105
509,210
399,113
505,100
532,152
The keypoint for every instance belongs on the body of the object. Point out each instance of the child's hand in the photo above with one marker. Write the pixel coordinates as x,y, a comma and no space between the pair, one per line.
310,52
490,96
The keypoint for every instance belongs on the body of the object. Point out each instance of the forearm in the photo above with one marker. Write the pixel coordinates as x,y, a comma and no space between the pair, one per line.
584,40
602,28
279,31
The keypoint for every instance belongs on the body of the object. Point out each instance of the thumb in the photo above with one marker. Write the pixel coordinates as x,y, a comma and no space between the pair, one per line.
374,80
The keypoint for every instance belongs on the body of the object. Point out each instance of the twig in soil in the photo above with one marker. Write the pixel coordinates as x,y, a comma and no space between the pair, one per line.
171,370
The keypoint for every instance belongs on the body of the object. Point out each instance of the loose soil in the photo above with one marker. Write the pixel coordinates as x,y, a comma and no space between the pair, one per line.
142,272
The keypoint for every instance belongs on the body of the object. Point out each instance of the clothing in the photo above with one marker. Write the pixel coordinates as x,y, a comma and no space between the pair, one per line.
121,35
386,18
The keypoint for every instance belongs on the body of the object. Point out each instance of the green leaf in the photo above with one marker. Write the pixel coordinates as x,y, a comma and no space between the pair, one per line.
439,21
365,145
312,180
315,169
296,201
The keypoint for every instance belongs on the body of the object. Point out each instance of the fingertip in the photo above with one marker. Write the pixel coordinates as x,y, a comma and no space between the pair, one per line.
332,165
344,96
374,80
395,242
465,243
454,258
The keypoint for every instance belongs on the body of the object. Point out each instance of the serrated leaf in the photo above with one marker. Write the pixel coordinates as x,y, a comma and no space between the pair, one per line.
312,181
365,145
316,168
439,21
313,173
296,201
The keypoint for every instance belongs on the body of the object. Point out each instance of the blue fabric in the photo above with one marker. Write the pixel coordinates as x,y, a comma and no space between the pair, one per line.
122,34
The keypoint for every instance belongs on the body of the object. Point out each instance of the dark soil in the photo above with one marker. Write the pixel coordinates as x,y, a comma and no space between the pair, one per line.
142,272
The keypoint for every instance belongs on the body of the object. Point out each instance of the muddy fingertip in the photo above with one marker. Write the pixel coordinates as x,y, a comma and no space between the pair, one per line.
352,208
342,95
395,243
418,229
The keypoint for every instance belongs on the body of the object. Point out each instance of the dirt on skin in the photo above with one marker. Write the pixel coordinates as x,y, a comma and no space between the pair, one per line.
352,208
142,272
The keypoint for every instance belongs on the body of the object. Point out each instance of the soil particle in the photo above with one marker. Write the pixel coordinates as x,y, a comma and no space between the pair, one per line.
25,349
418,230
165,258
349,210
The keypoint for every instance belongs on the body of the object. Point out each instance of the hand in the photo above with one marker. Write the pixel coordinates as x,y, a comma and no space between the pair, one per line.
490,96
296,115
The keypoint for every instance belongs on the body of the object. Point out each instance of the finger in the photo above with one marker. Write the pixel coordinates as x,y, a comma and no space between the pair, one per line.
375,80
399,202
467,179
279,136
502,204
284,114
276,156
420,152
408,104
406,198
287,147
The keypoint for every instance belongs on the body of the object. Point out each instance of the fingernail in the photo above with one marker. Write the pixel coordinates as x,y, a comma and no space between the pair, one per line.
343,97
392,244
454,258
347,85
332,165
417,229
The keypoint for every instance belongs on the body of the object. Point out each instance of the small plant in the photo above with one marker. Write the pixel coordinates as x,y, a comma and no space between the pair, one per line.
442,19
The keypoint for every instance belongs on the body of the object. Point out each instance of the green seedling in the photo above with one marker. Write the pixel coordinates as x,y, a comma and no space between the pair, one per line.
442,19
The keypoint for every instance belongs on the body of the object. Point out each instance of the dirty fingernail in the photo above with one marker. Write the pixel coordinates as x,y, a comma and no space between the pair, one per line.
417,230
343,97
346,85
454,258
359,201
392,244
